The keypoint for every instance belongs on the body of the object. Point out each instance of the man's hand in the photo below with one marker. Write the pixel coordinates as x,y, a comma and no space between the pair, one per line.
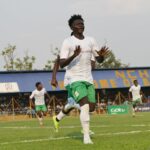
77,51
103,52
54,82
58,57
66,62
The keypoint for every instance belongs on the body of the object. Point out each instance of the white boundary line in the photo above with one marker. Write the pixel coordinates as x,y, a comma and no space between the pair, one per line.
69,137
50,118
71,127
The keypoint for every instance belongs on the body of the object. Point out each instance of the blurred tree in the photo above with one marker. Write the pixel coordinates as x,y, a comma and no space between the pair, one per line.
111,62
50,63
8,54
12,63
26,63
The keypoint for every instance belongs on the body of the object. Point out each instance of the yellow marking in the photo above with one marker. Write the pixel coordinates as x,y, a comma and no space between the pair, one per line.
104,83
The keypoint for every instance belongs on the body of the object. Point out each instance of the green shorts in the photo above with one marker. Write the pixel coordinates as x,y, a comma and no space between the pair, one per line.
41,108
68,88
82,89
137,102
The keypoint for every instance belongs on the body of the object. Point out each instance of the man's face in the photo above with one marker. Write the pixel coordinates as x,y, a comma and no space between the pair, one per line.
40,87
78,26
136,83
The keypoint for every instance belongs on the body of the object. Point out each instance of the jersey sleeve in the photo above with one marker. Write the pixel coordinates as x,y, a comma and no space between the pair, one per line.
139,87
64,52
44,90
32,95
92,58
95,47
130,90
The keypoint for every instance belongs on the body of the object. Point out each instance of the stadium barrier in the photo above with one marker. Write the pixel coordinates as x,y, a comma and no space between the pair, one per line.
143,108
118,109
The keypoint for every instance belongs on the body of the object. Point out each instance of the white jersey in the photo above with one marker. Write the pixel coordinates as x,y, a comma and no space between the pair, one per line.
135,90
80,67
67,79
39,96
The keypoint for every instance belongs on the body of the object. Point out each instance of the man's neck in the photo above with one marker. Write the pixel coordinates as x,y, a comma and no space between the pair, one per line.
79,36
39,90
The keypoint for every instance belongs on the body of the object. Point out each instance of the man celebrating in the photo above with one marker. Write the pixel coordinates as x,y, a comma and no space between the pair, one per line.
71,103
75,55
136,92
39,94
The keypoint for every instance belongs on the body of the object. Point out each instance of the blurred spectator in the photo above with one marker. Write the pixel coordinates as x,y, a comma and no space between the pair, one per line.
31,112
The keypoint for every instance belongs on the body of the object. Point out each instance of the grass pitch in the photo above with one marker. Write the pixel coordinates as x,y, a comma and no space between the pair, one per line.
112,132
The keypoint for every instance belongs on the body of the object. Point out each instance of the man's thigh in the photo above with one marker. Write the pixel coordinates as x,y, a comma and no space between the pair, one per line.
91,94
79,91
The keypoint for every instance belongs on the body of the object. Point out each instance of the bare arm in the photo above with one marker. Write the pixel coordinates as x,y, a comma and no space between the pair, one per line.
30,101
129,96
54,73
47,95
104,51
31,96
93,64
50,100
142,94
99,59
66,62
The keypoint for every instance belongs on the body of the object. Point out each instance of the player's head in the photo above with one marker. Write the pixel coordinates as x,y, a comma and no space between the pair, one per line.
76,23
135,82
38,85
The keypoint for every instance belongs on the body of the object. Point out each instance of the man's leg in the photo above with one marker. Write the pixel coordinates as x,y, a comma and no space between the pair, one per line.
136,103
140,101
80,93
63,113
66,110
91,97
39,115
44,110
133,108
85,119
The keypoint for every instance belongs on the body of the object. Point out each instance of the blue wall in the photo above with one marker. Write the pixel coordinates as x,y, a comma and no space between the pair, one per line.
120,78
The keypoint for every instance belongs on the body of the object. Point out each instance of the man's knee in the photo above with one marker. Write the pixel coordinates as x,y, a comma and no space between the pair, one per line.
92,107
44,113
83,101
67,111
39,114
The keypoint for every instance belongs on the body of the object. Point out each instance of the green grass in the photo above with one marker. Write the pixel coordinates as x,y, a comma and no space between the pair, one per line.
116,132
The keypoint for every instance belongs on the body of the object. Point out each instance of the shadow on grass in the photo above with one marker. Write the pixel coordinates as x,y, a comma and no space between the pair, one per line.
75,136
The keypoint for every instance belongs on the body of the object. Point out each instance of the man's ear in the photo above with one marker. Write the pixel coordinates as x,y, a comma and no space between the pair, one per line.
71,27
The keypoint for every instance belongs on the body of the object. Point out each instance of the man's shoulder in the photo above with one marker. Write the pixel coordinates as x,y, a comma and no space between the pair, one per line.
44,90
34,91
68,39
90,38
85,37
132,86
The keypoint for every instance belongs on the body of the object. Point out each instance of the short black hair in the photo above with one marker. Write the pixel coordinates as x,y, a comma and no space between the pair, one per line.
37,84
73,18
135,81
